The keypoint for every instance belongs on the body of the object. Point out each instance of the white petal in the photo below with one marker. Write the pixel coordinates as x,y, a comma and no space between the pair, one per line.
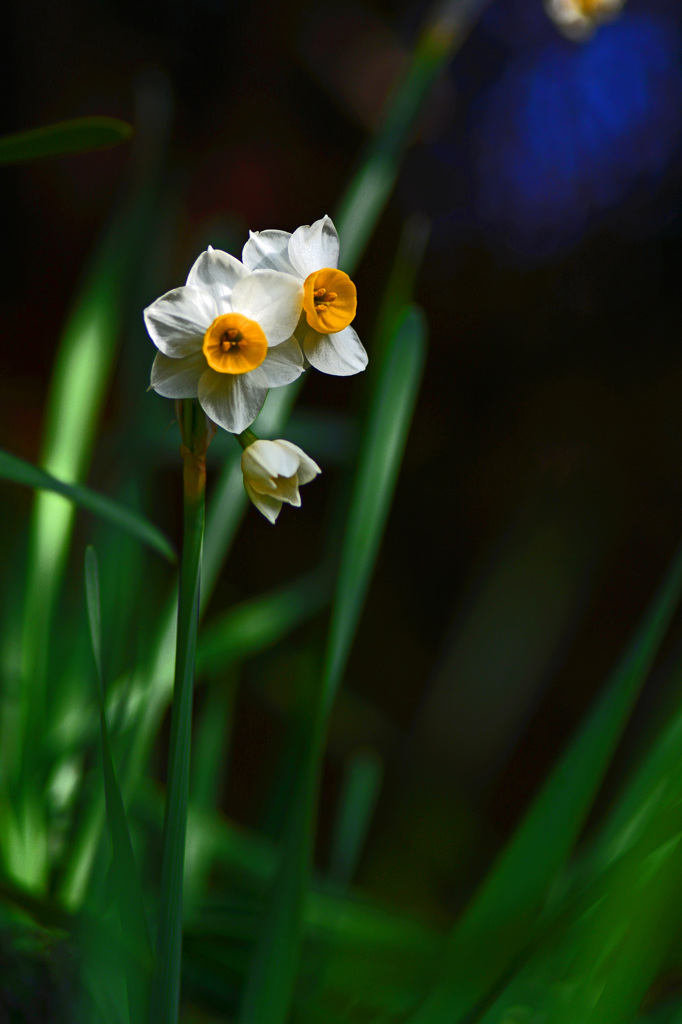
312,248
274,300
270,507
268,250
283,363
307,469
233,401
178,320
216,272
287,490
340,354
178,378
263,461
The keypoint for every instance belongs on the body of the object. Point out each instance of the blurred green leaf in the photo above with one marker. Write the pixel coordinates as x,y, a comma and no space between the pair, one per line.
361,784
165,998
498,922
601,960
381,449
255,625
655,785
271,979
129,897
237,633
21,472
226,509
212,733
82,370
76,136
630,935
369,191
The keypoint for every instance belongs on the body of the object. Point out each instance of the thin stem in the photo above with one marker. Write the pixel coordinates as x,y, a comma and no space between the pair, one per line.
166,984
246,438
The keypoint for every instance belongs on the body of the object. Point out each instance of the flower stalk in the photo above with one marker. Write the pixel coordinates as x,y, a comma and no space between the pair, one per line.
197,433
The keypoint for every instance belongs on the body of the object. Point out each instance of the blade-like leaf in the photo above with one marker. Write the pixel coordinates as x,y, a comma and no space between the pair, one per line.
165,998
369,191
361,785
21,472
239,632
83,365
270,983
76,136
130,901
500,919
602,959
255,625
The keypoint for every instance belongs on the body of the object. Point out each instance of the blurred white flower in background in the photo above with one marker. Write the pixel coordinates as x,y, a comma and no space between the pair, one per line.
578,19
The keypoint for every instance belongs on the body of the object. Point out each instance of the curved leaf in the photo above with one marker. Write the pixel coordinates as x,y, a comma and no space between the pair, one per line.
21,472
76,136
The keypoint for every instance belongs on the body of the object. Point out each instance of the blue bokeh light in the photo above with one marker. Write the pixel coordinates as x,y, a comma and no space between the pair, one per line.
568,131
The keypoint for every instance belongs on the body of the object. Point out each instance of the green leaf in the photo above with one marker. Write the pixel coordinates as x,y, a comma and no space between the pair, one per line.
83,365
166,982
382,445
21,472
126,880
256,625
498,922
599,963
371,187
230,637
271,979
76,136
359,795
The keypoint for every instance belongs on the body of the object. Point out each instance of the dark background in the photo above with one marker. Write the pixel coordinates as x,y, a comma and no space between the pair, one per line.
540,497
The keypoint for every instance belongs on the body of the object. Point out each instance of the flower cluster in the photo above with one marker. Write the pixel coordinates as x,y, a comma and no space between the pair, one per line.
238,328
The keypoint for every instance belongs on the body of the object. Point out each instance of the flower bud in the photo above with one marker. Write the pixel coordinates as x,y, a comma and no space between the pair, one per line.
273,472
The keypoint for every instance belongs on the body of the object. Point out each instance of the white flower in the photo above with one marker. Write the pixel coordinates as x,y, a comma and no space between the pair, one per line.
273,472
226,337
311,255
578,19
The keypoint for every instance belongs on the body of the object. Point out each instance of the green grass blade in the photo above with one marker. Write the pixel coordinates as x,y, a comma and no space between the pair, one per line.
634,930
361,785
212,732
82,371
382,446
166,983
602,959
126,879
271,978
498,922
369,191
258,624
655,784
227,507
232,636
251,858
76,136
21,472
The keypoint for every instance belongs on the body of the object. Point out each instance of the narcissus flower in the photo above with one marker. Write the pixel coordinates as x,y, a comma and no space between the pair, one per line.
311,255
225,337
273,472
578,19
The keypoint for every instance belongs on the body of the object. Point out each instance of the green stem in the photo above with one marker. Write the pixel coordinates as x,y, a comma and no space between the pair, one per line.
246,438
166,984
